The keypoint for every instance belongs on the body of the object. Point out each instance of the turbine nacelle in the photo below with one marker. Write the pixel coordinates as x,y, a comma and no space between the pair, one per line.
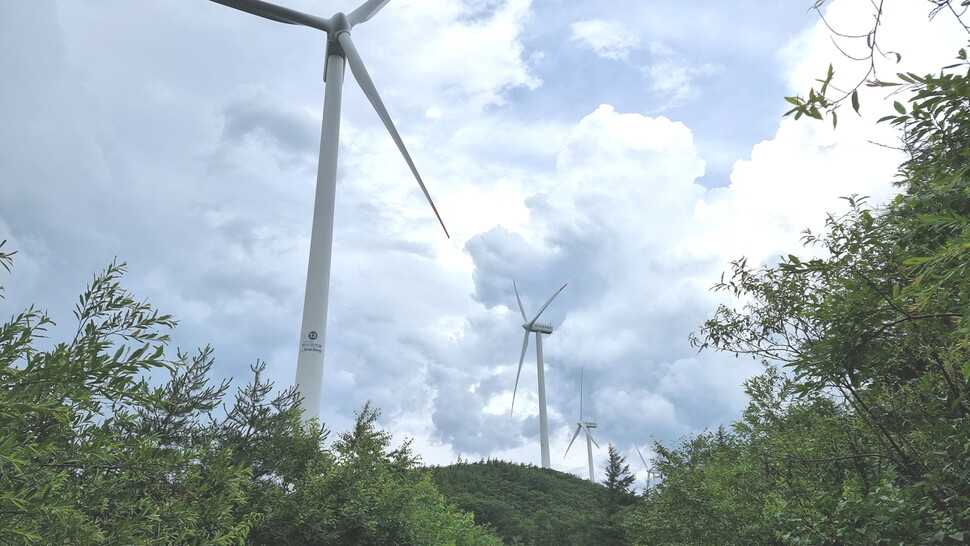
587,424
339,24
538,328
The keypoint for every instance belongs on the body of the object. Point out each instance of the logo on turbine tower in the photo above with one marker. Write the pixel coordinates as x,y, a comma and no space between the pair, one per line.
311,345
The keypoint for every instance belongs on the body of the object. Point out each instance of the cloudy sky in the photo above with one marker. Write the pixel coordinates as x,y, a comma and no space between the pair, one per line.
630,149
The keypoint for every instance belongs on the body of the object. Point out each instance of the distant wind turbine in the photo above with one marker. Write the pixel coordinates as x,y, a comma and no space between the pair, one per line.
584,426
531,326
340,49
645,465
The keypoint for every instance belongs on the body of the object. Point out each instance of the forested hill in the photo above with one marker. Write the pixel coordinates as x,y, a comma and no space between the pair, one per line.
526,504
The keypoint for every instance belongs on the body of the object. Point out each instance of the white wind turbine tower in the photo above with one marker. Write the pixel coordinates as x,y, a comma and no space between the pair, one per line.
340,49
584,426
531,326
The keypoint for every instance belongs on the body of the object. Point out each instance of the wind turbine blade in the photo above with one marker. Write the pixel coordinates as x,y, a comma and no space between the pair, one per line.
543,308
525,347
590,434
642,460
366,11
571,441
367,85
518,299
581,374
277,13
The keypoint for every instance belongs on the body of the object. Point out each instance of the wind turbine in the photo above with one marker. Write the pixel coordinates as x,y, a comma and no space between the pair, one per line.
340,50
585,426
531,326
645,465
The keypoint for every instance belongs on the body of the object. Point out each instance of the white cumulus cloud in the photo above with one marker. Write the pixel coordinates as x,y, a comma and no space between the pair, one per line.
608,39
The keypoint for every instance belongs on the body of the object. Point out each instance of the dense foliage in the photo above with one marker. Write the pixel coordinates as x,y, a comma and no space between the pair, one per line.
90,453
858,432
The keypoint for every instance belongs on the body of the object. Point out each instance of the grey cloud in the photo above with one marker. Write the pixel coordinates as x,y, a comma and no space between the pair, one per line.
501,257
459,419
254,112
478,11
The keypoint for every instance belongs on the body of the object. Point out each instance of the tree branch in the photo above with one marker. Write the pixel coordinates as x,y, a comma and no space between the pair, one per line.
840,458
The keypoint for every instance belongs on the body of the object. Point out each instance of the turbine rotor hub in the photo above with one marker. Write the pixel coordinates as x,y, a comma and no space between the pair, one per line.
339,24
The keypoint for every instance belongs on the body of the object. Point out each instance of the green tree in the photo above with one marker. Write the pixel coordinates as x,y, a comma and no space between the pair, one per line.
713,491
859,328
619,479
859,435
619,485
367,493
69,470
91,454
878,326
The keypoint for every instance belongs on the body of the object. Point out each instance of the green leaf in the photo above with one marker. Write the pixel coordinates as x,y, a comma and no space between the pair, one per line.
855,100
899,107
828,80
